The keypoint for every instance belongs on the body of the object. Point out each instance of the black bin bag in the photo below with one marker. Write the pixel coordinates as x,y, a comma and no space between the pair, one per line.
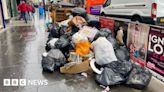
106,32
121,67
56,32
115,73
122,54
63,41
113,41
64,44
79,12
54,60
109,78
58,57
47,46
48,64
94,23
139,77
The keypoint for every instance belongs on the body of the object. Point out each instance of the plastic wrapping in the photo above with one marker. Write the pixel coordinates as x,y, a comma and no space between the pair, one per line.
77,37
73,57
89,32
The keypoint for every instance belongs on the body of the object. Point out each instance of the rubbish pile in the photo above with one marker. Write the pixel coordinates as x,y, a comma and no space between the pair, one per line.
77,46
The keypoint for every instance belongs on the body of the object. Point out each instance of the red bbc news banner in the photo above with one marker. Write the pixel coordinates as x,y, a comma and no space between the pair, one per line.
137,42
107,23
155,55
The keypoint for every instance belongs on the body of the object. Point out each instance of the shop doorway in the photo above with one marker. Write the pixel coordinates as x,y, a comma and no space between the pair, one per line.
18,2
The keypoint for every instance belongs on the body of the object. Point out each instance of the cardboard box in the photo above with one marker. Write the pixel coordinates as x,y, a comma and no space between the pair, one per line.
61,14
74,68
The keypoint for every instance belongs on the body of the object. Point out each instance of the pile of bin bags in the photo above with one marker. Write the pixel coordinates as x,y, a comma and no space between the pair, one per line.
77,48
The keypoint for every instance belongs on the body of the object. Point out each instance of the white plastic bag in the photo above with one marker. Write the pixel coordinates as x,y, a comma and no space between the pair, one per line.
104,52
77,37
51,43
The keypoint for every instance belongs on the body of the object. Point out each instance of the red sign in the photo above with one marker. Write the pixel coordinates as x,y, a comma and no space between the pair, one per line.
155,55
107,23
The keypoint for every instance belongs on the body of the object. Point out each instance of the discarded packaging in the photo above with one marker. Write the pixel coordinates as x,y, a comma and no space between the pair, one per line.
96,70
73,57
89,32
75,68
77,37
79,21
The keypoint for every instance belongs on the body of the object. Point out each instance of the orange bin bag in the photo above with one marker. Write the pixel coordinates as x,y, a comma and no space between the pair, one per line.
83,48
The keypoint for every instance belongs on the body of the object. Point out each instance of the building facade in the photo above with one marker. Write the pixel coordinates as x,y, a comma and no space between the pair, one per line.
1,19
5,10
1,16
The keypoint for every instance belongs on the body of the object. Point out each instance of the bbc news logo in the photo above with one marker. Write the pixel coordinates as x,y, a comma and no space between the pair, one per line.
24,82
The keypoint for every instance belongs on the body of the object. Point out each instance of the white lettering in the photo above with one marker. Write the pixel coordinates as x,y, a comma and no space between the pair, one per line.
156,44
22,82
14,82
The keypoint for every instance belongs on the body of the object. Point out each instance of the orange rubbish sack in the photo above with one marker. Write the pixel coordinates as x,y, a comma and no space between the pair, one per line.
83,48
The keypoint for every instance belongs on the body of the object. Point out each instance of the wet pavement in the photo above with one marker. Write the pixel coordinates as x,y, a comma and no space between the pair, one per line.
21,46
